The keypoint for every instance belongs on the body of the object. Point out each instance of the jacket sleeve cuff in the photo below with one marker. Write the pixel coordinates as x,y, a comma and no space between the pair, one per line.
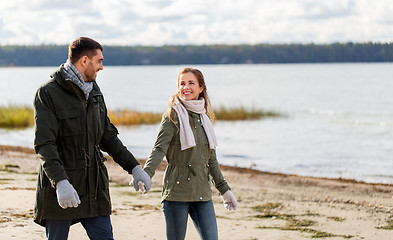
57,179
223,187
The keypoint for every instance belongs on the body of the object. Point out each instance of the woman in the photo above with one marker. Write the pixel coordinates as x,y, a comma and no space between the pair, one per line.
187,140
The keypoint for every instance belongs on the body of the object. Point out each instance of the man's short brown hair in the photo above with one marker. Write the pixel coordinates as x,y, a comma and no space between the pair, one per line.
83,46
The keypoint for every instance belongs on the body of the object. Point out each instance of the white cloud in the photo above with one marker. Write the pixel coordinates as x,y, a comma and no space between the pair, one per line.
159,22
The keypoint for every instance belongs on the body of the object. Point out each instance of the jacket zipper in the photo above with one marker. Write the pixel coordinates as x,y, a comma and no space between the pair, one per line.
84,103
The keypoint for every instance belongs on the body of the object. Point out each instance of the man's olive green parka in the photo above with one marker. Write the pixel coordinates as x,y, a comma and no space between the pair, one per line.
70,133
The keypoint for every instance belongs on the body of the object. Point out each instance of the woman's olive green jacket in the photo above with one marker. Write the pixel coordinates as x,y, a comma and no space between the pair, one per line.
69,134
187,176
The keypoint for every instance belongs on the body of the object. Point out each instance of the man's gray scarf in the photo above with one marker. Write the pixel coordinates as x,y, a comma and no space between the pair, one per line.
74,76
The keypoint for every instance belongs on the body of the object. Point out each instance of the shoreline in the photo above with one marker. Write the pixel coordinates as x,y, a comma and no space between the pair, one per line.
271,205
223,167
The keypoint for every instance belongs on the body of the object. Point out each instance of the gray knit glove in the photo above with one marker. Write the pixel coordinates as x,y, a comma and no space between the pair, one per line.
66,194
140,179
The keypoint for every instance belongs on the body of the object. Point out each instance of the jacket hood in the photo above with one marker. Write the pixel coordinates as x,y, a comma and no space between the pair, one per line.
60,77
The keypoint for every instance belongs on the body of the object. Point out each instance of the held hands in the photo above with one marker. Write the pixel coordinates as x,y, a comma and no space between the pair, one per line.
142,187
229,199
66,194
140,179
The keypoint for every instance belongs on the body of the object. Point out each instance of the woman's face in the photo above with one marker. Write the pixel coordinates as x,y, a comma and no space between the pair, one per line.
188,87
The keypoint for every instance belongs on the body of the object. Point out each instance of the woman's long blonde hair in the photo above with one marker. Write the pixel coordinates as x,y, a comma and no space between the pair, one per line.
201,80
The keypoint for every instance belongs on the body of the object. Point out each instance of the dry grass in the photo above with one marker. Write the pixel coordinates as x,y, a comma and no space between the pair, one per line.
22,117
16,117
242,113
129,117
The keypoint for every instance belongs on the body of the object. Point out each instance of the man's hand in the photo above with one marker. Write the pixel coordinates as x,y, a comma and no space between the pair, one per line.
66,194
140,179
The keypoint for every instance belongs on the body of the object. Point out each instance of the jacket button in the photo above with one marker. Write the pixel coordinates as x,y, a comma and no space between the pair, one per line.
189,165
188,179
201,198
177,182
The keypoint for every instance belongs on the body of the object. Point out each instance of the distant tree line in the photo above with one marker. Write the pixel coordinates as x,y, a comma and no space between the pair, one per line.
53,55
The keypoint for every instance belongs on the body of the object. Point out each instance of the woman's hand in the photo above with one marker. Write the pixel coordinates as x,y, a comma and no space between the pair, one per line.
229,199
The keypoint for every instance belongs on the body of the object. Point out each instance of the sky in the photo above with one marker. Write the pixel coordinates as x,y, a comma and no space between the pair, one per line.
181,22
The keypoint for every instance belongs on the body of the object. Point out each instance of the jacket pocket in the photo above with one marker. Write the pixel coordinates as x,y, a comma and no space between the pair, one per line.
69,123
171,179
78,181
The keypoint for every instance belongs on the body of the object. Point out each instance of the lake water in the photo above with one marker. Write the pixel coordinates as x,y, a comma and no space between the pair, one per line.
338,117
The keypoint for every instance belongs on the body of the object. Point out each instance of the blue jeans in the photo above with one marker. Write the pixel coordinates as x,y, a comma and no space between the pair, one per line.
201,213
97,228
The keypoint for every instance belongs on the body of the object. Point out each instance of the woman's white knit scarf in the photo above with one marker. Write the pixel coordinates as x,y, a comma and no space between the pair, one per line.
74,76
187,139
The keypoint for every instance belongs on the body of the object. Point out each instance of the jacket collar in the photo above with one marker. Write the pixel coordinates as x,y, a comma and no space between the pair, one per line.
60,77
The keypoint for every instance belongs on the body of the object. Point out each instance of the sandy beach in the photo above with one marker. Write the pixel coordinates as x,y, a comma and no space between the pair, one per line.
272,206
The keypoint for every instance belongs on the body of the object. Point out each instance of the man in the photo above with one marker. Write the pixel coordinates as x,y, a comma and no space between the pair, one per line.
72,127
